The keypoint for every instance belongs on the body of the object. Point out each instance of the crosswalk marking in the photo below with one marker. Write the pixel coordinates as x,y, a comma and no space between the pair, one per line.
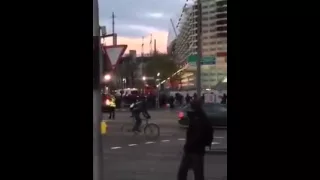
115,147
164,140
149,142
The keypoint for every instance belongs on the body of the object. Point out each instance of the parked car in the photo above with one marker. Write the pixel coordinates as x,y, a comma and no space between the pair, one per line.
217,114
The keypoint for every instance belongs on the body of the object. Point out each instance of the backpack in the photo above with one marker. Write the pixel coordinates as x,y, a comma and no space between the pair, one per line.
208,135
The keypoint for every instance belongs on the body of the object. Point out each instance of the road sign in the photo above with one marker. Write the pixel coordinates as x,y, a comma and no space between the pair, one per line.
114,53
192,59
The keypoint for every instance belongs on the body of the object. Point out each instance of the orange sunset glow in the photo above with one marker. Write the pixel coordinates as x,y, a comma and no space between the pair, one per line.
135,43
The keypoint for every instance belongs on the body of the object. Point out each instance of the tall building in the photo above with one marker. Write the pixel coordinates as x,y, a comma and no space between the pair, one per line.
214,41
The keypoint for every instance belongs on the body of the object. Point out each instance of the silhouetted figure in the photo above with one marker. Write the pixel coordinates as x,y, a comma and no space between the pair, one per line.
188,98
199,135
224,99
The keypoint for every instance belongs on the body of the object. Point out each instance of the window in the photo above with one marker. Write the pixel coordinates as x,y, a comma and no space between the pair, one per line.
205,37
204,44
205,25
223,28
212,37
205,18
212,17
224,15
205,31
213,43
205,13
222,9
212,5
221,22
212,24
221,3
213,11
204,7
212,30
222,34
134,92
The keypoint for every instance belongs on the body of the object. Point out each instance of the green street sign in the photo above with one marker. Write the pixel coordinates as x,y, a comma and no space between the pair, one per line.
192,59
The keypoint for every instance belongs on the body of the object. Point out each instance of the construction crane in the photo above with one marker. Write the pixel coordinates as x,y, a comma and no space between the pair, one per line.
174,28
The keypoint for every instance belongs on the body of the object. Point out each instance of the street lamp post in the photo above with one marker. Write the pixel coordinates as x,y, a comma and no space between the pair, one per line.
97,115
124,81
198,73
158,89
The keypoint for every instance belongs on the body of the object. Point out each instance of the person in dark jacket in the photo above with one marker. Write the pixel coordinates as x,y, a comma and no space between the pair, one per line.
194,148
188,98
138,108
144,109
171,102
224,99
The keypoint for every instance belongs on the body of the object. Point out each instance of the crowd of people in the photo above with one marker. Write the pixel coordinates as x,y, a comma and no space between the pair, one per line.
161,100
180,100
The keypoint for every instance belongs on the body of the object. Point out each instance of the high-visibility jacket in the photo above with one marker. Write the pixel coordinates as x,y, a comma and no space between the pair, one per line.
111,101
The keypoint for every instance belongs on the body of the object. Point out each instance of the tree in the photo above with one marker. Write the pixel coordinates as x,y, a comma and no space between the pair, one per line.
126,69
163,64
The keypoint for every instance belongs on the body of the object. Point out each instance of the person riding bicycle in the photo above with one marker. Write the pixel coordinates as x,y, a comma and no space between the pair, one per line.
137,108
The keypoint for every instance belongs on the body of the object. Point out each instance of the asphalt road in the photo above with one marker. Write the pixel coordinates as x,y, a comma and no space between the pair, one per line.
133,157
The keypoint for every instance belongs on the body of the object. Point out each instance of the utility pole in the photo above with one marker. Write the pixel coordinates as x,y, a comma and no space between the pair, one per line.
199,23
97,116
114,42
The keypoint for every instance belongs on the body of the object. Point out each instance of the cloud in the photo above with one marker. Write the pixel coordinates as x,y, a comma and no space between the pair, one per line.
137,18
146,29
155,15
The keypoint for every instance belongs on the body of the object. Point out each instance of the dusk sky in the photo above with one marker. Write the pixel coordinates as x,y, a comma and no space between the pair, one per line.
137,18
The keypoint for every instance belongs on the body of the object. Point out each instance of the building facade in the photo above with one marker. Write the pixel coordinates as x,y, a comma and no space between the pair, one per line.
214,41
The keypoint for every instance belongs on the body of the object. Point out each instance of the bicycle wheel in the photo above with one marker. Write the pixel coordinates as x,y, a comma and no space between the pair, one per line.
151,131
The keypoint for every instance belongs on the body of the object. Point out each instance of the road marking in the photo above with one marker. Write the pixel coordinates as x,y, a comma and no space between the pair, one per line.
218,137
165,140
181,139
214,143
132,144
115,147
149,142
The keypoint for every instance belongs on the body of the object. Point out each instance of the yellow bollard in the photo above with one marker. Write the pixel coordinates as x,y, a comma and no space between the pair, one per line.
104,127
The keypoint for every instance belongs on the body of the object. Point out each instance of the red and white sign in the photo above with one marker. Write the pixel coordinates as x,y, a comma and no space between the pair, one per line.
114,53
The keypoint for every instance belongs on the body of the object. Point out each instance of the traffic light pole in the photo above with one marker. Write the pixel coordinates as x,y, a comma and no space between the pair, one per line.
199,23
97,116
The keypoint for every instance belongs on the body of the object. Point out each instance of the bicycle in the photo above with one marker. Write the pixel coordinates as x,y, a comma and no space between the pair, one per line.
148,128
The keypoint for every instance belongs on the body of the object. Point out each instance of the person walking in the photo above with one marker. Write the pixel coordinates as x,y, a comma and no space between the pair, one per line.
198,136
112,106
